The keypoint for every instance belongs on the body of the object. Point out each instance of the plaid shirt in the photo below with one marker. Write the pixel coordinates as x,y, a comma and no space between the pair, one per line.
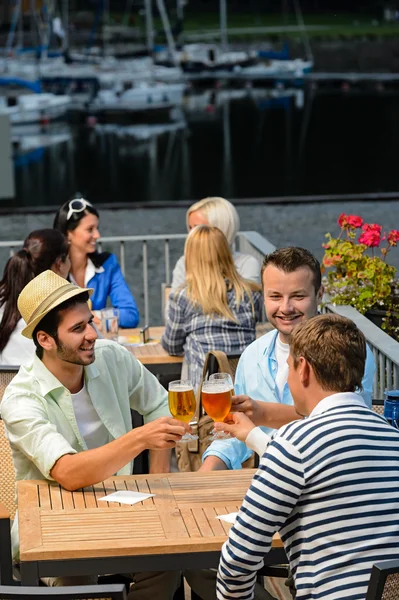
192,333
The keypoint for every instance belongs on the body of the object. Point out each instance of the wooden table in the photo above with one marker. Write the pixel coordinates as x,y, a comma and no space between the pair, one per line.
153,356
156,359
71,533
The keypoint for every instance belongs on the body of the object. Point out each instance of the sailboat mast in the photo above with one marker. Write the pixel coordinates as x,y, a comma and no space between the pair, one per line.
149,26
223,25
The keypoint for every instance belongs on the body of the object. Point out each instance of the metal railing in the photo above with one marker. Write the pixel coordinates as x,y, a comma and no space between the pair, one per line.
385,349
249,242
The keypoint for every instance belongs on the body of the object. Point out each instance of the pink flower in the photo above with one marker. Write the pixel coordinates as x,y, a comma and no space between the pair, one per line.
350,221
354,221
372,227
371,238
393,237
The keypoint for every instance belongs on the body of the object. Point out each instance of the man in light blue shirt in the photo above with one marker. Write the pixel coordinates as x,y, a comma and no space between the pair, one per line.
292,291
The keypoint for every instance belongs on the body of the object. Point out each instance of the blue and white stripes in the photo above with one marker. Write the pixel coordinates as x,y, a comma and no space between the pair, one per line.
330,485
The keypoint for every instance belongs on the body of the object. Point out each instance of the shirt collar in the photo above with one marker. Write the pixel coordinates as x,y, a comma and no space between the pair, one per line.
48,382
340,399
90,271
269,351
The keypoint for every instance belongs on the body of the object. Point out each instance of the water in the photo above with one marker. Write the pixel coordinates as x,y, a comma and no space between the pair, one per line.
238,144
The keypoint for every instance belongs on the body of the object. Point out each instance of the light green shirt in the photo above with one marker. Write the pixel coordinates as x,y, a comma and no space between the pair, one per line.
38,414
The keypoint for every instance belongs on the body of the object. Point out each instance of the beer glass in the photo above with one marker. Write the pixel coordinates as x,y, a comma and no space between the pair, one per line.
182,404
217,393
222,377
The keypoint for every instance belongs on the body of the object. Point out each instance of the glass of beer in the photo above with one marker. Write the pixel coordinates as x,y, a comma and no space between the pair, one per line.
182,404
217,393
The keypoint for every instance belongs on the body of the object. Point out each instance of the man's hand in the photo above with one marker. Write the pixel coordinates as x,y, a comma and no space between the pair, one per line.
237,424
163,433
251,408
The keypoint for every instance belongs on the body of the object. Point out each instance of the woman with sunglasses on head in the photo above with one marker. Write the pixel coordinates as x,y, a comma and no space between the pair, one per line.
43,249
78,221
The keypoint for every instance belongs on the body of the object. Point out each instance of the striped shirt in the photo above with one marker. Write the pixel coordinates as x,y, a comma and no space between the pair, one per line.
330,485
190,331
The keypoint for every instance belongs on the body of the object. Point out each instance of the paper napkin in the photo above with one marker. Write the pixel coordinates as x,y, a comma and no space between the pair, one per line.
126,497
230,518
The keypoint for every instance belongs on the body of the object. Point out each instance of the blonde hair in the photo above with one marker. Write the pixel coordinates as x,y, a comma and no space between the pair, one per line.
219,213
209,265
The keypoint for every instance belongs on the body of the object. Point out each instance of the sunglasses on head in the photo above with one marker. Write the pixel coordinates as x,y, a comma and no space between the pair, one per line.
76,206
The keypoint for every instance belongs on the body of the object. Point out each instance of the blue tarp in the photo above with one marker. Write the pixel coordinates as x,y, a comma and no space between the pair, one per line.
34,86
284,54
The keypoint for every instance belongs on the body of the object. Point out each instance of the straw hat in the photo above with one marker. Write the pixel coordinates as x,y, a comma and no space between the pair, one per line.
42,294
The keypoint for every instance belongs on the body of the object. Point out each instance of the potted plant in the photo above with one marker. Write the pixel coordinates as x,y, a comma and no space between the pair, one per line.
357,272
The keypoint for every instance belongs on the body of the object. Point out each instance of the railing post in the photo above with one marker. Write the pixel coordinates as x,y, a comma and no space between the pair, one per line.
145,283
122,256
167,263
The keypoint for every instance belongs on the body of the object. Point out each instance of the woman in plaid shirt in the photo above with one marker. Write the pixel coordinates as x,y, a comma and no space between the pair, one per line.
216,309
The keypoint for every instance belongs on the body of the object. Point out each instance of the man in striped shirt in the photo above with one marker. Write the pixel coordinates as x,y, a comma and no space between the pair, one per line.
328,484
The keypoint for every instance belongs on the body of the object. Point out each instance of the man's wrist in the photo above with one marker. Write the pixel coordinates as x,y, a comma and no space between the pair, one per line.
139,439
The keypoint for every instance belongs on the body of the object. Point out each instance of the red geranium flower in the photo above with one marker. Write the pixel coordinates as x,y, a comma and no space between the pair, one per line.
370,238
393,237
354,221
350,221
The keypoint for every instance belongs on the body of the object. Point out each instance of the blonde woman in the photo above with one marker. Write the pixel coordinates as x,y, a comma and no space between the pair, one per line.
216,309
220,213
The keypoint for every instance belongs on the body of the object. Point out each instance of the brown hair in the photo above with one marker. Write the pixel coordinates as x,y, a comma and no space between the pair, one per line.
292,258
335,348
42,248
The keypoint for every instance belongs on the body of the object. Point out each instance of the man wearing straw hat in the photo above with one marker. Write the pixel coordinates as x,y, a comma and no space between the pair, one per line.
67,413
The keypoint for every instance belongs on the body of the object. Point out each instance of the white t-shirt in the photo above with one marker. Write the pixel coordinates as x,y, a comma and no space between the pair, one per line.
91,428
19,349
282,352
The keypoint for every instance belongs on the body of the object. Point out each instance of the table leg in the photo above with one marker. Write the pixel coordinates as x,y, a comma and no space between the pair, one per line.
29,573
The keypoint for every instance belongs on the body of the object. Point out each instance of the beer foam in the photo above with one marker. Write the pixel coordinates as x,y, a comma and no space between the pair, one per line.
217,388
181,388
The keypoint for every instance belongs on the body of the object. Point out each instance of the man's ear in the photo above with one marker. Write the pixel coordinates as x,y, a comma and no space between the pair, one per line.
320,294
304,371
46,341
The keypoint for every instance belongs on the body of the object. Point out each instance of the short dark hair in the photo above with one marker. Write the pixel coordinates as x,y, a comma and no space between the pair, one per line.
63,224
335,348
290,259
51,321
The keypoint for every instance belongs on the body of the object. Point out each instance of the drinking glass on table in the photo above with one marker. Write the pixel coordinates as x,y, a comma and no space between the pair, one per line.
110,323
217,394
182,404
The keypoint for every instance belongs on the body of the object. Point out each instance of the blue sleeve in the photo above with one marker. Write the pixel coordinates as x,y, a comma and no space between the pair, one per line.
368,379
232,452
174,338
121,296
